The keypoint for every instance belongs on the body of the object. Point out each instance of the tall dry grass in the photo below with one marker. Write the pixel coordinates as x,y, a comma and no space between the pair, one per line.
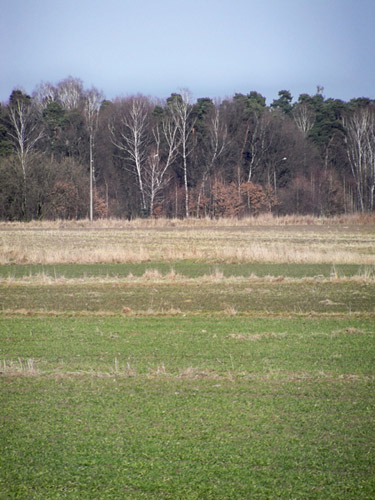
261,220
265,239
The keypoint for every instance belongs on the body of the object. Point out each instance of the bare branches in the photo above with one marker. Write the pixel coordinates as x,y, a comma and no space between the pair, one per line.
132,138
260,141
26,131
217,134
150,145
360,143
181,109
158,164
304,117
70,92
24,134
93,100
44,94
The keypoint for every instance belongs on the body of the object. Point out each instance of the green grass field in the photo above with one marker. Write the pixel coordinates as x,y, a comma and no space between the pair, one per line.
244,297
187,408
187,380
186,268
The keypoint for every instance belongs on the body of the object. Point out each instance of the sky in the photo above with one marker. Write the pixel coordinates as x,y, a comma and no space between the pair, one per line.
214,48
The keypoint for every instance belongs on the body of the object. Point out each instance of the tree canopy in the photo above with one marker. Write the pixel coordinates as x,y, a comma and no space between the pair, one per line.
178,158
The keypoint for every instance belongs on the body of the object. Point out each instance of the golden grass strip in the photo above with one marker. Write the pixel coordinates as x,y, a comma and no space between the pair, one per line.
272,244
261,220
265,240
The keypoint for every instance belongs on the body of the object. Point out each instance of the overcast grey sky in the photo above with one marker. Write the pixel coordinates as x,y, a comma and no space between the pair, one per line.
213,47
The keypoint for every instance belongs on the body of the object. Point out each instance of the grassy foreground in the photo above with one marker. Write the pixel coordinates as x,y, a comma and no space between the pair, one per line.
187,408
208,378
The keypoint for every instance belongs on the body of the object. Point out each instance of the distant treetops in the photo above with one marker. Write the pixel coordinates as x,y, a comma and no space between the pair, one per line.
67,152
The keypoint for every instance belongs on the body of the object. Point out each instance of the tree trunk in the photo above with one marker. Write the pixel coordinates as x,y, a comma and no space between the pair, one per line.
91,179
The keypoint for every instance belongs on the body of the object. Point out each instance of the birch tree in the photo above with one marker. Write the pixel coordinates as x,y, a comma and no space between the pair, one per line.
131,137
304,117
360,145
25,132
44,94
216,143
371,158
93,100
157,166
70,92
260,141
181,111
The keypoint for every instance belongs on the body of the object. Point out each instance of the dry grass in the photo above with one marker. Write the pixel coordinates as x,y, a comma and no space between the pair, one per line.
261,220
19,368
265,239
257,336
26,368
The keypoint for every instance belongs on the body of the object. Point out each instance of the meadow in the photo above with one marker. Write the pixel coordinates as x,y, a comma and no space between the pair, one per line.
188,359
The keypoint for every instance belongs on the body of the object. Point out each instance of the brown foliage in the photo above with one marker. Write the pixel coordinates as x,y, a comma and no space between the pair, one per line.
100,206
256,198
227,200
62,201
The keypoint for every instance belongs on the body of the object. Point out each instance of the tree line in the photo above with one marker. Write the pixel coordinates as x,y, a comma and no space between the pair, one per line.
67,152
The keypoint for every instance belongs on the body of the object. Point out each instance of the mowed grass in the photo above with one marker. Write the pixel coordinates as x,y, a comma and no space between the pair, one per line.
187,408
187,362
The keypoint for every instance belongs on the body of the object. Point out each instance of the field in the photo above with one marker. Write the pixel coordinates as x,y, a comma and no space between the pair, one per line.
188,359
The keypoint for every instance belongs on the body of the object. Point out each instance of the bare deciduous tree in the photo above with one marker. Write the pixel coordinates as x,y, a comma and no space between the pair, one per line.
93,101
304,117
70,92
216,144
181,109
260,138
157,166
360,143
24,134
44,94
131,137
